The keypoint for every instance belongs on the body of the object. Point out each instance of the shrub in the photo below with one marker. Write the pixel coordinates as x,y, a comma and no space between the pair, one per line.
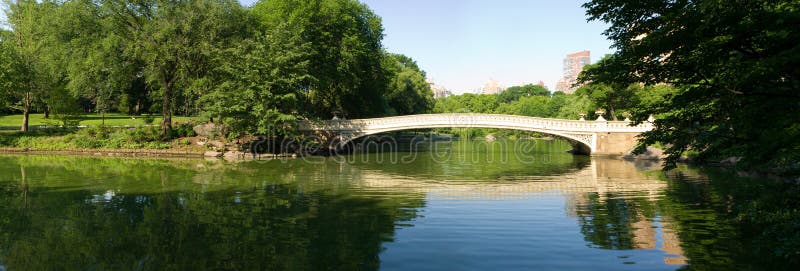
115,142
85,142
182,130
156,145
144,134
95,132
148,119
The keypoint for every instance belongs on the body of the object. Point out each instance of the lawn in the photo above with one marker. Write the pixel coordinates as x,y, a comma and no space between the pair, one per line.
111,119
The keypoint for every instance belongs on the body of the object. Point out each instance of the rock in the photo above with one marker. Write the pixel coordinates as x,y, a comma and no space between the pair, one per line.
210,130
652,153
730,161
212,154
216,144
234,155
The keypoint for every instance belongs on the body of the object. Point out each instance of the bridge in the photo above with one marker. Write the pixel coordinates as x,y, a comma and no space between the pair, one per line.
598,137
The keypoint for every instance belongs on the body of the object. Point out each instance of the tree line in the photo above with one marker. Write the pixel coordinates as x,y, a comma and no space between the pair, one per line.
615,102
254,69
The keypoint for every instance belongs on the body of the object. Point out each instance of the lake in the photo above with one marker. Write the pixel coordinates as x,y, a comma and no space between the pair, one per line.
461,205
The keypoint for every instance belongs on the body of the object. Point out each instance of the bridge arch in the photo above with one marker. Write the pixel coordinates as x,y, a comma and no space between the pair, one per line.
580,145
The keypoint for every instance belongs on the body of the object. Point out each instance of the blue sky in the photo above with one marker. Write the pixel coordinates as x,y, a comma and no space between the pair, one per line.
461,44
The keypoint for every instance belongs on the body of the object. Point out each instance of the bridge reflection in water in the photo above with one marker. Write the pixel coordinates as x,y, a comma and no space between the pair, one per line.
614,200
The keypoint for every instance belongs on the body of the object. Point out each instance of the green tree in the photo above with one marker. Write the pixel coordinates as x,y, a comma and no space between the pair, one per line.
30,73
255,85
572,106
173,41
345,53
532,106
408,92
734,66
11,72
90,54
516,92
613,98
608,88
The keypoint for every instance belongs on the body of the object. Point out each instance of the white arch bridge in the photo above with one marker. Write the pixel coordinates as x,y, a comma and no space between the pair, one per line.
598,137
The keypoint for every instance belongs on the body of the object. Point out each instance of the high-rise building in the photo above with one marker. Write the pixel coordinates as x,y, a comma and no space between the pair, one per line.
573,65
492,87
439,91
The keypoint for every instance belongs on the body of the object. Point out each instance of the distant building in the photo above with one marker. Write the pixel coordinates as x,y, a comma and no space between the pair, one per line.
492,87
541,84
439,91
573,65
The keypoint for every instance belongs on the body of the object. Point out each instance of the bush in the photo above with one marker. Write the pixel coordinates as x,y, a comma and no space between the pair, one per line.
144,134
148,119
85,142
182,130
96,132
116,142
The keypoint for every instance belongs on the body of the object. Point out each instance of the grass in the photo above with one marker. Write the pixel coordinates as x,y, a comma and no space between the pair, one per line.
147,137
13,122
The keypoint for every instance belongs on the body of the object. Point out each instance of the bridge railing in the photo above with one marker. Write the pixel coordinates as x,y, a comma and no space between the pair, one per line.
475,120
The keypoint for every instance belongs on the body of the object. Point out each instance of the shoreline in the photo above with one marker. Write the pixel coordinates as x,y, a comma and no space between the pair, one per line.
236,155
146,153
105,152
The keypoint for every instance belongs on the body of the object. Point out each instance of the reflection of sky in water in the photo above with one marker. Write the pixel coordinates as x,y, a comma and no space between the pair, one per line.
103,198
533,231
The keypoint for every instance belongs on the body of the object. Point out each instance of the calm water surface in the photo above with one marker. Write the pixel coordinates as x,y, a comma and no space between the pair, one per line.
463,206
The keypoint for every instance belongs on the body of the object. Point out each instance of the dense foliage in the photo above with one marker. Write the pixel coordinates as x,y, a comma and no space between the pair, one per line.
735,67
255,69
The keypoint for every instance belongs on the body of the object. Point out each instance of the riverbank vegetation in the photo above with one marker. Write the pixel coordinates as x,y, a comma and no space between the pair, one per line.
103,137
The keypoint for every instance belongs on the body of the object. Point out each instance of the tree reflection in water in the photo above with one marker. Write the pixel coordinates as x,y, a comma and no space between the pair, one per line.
271,226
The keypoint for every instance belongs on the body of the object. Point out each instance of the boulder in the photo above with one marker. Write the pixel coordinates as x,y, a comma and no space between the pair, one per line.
210,130
234,155
652,153
216,144
212,154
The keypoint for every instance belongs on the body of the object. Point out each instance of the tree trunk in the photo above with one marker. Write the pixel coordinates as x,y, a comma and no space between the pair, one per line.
136,109
611,112
166,110
47,112
24,186
26,111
